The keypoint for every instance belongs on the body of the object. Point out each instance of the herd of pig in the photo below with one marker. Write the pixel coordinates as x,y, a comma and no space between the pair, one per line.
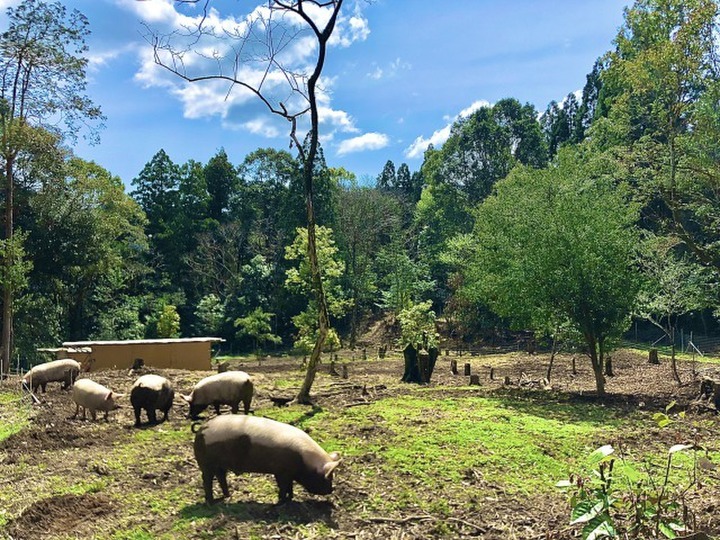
224,443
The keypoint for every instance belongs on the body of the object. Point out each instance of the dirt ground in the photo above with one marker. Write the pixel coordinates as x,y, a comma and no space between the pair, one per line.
635,385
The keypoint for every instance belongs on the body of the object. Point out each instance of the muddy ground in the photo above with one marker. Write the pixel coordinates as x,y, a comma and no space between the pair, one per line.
81,445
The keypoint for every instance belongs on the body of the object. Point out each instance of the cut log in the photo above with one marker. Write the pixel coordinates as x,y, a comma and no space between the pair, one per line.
467,371
474,380
344,371
453,367
653,357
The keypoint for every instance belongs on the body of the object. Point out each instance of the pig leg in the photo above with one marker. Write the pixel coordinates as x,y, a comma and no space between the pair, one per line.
222,480
207,478
152,417
235,407
246,404
77,410
165,415
137,416
285,487
44,386
217,408
93,415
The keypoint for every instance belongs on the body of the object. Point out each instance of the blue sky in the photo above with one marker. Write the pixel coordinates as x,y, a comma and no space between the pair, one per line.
398,73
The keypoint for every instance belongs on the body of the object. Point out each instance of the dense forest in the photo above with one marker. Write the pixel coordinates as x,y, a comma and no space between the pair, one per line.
568,222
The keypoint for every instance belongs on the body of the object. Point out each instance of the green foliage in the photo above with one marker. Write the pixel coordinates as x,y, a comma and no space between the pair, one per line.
612,498
556,245
298,280
404,281
417,326
257,326
210,313
168,325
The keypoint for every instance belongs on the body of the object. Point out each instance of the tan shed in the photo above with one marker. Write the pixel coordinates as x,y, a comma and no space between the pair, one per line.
182,353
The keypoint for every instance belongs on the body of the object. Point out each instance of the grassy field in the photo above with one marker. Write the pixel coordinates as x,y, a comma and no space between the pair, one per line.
444,460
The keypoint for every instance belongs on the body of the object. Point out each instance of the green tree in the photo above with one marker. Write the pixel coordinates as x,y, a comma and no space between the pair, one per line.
387,179
221,179
558,245
42,85
257,325
210,314
674,285
88,243
660,90
299,281
361,244
168,324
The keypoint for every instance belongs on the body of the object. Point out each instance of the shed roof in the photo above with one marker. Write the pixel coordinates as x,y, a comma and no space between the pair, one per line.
142,341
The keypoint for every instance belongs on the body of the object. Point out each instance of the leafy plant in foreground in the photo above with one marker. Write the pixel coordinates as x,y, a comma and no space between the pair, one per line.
613,499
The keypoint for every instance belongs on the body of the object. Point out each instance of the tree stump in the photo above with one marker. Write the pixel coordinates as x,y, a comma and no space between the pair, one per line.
474,380
710,391
222,368
653,357
467,370
344,371
447,352
492,373
453,367
507,381
364,351
574,371
419,366
382,351
332,369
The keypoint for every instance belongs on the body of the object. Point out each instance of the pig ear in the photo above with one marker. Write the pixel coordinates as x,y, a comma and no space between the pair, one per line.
186,398
118,396
329,467
109,396
335,456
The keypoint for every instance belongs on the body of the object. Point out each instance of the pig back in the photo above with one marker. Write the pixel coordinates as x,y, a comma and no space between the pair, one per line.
227,387
92,395
151,391
56,370
254,444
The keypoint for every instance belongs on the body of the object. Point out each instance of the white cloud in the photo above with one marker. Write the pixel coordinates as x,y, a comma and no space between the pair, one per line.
261,126
340,119
368,141
101,59
420,144
390,70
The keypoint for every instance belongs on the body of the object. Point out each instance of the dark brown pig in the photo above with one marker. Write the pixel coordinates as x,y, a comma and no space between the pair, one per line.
260,445
151,392
229,388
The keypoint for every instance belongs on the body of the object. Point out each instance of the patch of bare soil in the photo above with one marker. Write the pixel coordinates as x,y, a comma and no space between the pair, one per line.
60,515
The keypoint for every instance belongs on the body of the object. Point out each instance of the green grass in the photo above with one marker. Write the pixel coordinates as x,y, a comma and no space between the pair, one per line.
13,418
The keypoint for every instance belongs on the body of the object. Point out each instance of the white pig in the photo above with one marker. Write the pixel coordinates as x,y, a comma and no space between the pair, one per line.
93,397
229,388
64,371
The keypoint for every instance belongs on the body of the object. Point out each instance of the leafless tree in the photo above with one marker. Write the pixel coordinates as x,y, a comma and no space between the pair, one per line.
256,56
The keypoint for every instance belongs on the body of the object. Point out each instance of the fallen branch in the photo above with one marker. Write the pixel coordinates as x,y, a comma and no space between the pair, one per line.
399,521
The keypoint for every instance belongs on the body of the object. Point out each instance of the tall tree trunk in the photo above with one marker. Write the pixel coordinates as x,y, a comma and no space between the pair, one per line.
7,324
308,170
597,364
673,361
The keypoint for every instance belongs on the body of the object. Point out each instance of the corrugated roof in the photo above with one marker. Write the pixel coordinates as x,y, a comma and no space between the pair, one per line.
142,341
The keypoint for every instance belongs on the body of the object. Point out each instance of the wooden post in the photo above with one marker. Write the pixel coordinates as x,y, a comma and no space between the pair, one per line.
574,371
453,367
492,373
506,382
467,370
332,370
474,380
344,371
222,368
364,353
653,357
